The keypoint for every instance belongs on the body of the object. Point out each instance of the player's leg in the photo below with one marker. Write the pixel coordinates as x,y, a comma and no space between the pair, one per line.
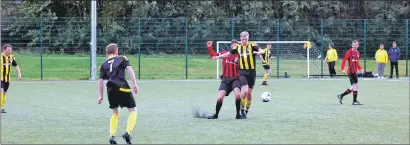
244,90
355,90
113,125
267,73
4,95
132,121
251,83
347,91
333,68
1,96
329,64
382,65
219,101
391,70
112,94
396,66
236,84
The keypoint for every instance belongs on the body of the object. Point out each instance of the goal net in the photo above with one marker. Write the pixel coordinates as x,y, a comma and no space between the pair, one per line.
295,58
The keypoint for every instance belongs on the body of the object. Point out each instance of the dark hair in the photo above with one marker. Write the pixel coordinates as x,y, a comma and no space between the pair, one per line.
5,46
234,41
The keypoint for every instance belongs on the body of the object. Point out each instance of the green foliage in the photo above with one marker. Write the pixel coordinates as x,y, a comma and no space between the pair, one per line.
64,26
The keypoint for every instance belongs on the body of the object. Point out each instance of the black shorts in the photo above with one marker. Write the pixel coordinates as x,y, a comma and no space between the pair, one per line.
229,84
5,85
353,78
266,67
247,77
120,97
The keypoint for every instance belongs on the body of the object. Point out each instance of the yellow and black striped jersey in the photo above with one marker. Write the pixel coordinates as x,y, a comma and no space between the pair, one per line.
7,61
247,55
266,56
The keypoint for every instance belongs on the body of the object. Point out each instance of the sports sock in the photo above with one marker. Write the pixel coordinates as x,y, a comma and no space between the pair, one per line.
243,101
238,105
354,96
218,108
347,92
3,99
248,104
113,124
265,77
132,120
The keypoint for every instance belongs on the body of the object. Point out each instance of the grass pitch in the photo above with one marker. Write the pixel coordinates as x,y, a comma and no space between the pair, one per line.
301,111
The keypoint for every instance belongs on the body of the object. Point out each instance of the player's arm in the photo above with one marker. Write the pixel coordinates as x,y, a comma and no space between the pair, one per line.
257,50
260,56
335,53
359,67
101,85
233,51
131,74
14,63
347,55
212,53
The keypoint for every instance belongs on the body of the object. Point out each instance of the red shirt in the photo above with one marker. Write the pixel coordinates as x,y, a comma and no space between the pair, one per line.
353,56
230,67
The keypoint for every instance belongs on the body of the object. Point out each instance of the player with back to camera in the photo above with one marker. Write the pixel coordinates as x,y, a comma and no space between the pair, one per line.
119,93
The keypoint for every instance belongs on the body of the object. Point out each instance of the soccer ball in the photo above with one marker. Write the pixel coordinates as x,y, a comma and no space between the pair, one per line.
266,96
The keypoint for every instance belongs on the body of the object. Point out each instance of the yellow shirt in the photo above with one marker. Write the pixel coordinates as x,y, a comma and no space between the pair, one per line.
331,55
381,56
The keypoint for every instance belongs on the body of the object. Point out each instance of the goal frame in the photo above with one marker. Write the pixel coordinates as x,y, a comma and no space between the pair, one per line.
272,42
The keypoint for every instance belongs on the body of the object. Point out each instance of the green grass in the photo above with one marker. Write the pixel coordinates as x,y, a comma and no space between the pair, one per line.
301,111
64,67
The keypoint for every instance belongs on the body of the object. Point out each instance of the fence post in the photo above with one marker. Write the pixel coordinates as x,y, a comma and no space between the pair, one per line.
139,48
364,41
407,47
186,47
42,49
321,48
233,28
277,47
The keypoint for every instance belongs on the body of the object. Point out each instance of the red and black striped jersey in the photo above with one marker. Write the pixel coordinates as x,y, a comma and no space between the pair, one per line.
230,67
353,56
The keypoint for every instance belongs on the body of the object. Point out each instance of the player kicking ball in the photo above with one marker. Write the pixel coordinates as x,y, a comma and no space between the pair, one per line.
353,56
119,92
230,79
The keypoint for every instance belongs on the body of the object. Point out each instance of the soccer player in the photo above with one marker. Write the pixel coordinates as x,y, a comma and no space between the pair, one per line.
119,93
331,57
265,57
8,60
247,74
230,79
353,56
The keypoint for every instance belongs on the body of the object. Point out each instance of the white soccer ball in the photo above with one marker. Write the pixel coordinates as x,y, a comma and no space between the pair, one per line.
266,97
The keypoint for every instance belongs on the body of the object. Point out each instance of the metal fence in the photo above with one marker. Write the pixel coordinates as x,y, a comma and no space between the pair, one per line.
59,48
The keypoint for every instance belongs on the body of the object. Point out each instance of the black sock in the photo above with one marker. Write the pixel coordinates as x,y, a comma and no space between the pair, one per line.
218,107
238,105
347,92
354,96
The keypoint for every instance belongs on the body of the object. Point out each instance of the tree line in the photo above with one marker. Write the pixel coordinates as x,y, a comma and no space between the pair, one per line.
165,25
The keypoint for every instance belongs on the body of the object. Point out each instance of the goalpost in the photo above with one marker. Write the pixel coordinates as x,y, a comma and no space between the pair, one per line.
298,58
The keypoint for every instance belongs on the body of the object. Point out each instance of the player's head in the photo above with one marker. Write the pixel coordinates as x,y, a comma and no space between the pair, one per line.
330,45
244,37
382,46
355,44
234,42
7,49
269,45
111,49
394,44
